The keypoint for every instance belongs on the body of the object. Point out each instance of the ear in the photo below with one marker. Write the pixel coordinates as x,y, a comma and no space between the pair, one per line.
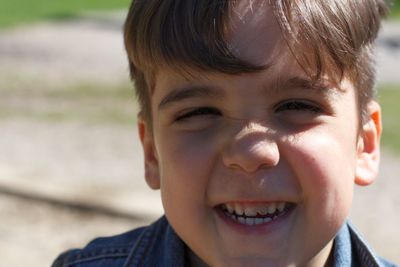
368,146
151,168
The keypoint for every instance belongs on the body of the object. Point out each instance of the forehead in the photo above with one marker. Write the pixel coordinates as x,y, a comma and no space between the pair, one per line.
255,35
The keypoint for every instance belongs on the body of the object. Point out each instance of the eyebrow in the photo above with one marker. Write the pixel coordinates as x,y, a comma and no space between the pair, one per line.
294,83
300,83
189,92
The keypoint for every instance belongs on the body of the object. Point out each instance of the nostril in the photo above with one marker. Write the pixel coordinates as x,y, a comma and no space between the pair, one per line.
234,166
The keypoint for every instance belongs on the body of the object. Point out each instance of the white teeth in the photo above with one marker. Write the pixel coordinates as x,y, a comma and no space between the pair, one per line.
253,221
250,212
267,219
272,208
250,221
281,206
229,208
258,221
239,209
263,210
254,214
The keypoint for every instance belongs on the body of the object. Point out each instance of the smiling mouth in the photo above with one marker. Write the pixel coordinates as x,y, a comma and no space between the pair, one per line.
255,214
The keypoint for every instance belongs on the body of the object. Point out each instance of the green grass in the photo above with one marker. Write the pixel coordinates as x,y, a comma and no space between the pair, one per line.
389,97
14,12
395,9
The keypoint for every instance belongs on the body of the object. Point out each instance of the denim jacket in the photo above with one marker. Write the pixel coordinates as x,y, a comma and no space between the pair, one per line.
158,245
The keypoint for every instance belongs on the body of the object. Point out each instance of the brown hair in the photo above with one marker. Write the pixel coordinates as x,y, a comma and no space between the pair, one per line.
333,37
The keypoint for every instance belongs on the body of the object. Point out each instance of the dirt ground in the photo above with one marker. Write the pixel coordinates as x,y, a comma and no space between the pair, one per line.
63,182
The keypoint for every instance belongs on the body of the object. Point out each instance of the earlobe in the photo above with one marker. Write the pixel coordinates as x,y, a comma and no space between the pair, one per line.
368,146
151,167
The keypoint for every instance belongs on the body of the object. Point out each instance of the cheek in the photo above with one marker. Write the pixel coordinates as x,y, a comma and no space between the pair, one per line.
186,155
185,165
185,169
324,165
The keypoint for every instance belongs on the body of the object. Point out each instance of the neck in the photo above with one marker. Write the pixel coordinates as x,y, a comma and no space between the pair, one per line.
323,258
194,260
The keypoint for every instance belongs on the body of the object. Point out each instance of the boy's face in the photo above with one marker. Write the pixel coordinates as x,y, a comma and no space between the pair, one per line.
257,169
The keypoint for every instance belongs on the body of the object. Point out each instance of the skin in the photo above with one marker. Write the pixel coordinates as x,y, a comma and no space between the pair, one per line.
255,139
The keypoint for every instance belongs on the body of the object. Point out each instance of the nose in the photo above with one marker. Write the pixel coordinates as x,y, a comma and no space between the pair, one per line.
253,148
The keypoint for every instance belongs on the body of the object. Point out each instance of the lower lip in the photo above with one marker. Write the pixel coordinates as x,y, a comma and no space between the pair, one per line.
264,228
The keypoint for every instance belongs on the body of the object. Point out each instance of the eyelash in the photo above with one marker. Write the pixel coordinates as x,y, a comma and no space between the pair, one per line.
198,112
298,105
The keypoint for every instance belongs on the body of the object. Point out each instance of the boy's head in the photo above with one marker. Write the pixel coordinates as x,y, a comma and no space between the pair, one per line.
257,117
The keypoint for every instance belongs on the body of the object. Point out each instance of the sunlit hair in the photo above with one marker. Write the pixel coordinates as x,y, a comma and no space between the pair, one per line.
331,38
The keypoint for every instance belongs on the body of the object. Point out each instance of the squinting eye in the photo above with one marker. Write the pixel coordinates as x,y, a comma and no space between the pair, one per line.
298,106
197,112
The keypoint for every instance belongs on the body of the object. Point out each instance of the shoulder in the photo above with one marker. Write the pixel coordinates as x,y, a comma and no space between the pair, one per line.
106,251
111,251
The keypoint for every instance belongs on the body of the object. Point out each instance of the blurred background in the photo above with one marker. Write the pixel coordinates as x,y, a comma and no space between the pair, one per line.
70,162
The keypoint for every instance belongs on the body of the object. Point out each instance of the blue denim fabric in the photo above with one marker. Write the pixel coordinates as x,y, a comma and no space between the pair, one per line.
351,250
158,245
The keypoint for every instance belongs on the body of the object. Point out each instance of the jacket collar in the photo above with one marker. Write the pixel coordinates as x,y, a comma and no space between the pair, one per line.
351,250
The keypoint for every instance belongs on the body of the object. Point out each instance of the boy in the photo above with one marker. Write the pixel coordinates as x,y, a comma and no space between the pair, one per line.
257,118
